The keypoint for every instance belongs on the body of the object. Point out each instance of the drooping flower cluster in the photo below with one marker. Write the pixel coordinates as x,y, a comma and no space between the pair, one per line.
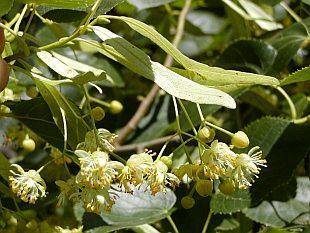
219,162
141,168
98,176
29,186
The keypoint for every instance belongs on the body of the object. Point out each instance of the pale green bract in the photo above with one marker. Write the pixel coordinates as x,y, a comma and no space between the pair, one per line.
135,59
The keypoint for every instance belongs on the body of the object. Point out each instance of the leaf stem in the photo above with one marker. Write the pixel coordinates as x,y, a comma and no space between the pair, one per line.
205,227
175,229
177,118
79,31
289,101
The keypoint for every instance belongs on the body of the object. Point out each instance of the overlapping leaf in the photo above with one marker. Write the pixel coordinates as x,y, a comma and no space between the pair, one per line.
118,49
219,78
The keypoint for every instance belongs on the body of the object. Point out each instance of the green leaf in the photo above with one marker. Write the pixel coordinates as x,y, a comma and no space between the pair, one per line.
228,224
224,204
5,189
118,49
63,4
265,214
251,55
277,214
4,167
36,115
5,6
287,42
219,78
207,22
306,2
76,126
264,20
282,159
302,75
265,132
135,209
145,4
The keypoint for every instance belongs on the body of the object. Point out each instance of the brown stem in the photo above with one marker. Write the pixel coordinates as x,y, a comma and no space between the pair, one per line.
147,101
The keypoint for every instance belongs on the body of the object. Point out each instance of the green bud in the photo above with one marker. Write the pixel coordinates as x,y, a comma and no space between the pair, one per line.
240,140
166,160
97,113
204,187
187,202
227,187
206,134
32,92
116,107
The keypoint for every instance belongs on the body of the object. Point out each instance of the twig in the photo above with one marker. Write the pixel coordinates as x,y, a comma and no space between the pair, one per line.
290,103
146,103
175,229
155,142
205,227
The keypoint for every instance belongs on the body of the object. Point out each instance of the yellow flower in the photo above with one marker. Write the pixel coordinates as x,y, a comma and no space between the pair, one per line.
247,166
96,169
29,186
160,177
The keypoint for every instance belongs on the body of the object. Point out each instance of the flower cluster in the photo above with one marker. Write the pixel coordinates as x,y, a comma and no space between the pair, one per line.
141,168
29,186
98,177
6,95
219,162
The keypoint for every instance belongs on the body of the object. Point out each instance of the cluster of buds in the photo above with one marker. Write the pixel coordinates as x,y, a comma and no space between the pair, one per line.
219,162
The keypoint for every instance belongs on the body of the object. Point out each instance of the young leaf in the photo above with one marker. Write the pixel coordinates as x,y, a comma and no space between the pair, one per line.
76,126
219,78
302,75
135,59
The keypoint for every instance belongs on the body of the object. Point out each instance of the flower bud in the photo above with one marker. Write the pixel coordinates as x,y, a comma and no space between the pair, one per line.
32,92
116,107
240,140
187,202
206,134
227,187
29,145
97,113
166,160
204,187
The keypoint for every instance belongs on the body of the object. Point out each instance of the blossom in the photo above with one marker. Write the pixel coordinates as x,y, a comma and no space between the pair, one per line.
247,166
218,159
96,169
160,177
138,168
29,186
